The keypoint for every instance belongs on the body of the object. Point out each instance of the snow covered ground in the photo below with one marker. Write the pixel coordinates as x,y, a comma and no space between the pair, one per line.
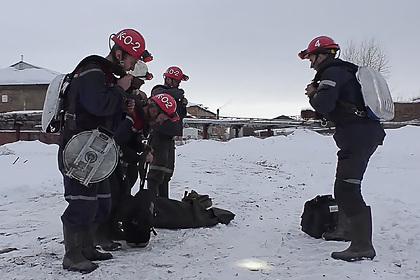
264,182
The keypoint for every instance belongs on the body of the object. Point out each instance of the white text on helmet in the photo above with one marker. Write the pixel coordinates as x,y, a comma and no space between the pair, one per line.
128,40
165,100
174,72
317,43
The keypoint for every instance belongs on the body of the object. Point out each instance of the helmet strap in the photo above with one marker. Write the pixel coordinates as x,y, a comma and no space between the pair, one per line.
109,42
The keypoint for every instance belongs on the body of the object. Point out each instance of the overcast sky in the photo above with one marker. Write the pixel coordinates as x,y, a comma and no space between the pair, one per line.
241,55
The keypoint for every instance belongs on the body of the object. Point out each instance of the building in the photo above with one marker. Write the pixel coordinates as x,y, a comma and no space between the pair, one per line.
403,111
23,87
199,111
407,111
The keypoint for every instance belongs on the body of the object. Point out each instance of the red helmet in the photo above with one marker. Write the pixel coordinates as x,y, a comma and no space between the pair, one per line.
131,41
167,104
321,44
175,73
146,56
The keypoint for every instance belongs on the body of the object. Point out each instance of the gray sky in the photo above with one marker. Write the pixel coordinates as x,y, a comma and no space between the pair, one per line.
240,55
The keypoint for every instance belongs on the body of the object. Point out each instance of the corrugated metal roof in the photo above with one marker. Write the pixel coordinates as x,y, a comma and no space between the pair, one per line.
23,73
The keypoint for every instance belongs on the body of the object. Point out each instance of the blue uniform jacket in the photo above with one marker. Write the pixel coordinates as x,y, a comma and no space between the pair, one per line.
94,100
337,90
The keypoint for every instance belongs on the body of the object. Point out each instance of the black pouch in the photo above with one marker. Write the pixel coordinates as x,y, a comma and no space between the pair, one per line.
136,217
320,215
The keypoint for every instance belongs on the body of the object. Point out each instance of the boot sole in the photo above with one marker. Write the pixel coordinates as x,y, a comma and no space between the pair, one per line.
354,259
138,245
83,271
111,248
336,239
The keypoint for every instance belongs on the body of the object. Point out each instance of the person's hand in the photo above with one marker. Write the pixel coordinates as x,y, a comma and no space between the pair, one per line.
141,95
131,105
125,82
149,157
310,90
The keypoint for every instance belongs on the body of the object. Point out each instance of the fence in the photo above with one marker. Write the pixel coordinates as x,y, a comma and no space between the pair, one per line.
27,126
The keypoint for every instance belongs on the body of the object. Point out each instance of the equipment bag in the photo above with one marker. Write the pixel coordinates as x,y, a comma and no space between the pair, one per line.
135,214
320,215
52,112
376,94
192,212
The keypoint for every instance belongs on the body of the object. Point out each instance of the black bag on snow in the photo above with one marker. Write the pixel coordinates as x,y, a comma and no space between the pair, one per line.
320,215
192,212
136,216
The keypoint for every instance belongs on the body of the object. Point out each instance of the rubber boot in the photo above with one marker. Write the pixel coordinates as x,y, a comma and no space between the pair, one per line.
141,240
164,187
342,230
361,239
102,238
73,259
89,250
153,186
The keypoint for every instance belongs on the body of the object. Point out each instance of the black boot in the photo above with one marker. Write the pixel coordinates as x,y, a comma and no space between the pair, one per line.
103,239
73,259
342,231
164,188
141,239
89,250
153,187
361,239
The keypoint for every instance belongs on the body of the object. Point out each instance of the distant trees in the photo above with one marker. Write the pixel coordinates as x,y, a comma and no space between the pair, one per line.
367,53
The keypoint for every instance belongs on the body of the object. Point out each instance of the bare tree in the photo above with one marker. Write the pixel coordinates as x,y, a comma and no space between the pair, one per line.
367,53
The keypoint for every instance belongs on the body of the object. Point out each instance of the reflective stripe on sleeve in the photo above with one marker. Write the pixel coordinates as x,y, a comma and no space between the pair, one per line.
353,181
327,83
89,198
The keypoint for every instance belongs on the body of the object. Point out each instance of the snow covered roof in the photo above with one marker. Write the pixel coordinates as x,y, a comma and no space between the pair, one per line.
199,105
191,104
23,73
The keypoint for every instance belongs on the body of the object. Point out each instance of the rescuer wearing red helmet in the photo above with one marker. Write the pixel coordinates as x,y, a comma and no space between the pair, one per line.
131,153
336,94
140,75
162,137
94,98
130,217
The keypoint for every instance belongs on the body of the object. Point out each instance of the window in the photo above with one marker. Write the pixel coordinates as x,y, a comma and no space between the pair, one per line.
4,98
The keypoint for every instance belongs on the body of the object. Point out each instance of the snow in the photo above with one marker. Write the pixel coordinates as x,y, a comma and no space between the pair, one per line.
28,76
28,112
265,182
